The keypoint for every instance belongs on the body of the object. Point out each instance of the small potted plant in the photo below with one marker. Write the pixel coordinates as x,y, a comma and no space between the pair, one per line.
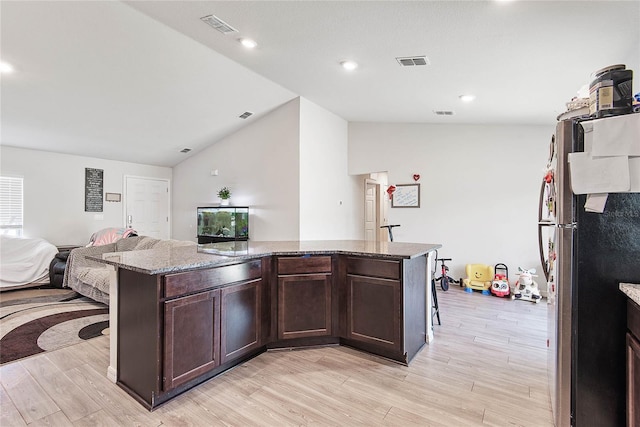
224,193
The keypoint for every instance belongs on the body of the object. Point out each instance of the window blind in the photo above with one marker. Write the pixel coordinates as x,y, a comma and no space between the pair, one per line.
11,205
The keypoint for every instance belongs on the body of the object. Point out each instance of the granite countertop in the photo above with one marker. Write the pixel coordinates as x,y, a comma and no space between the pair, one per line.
632,290
176,259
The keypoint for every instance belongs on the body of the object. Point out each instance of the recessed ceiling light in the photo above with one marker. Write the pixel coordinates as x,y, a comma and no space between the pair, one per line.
467,98
349,65
5,67
248,43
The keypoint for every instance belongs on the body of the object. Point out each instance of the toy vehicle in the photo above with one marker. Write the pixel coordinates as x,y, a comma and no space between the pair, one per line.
526,289
500,283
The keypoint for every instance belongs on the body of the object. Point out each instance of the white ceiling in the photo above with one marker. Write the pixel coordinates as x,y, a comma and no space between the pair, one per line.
139,81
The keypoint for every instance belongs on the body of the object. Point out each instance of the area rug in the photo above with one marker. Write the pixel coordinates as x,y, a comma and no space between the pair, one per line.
39,320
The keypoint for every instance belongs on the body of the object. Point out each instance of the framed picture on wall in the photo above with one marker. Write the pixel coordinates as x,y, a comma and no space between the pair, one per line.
406,196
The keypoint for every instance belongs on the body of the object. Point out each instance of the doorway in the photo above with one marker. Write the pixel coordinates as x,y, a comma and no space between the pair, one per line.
146,208
372,211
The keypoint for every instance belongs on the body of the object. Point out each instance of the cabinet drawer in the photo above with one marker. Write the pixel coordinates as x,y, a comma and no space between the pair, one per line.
633,318
303,265
199,280
387,269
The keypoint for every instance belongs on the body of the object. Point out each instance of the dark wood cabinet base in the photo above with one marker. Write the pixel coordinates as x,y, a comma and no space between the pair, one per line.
157,400
178,330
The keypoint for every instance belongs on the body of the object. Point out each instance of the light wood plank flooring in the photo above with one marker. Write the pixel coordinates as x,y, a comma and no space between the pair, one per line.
487,366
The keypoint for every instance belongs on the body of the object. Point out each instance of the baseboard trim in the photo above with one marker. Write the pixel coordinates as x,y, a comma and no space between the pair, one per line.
112,374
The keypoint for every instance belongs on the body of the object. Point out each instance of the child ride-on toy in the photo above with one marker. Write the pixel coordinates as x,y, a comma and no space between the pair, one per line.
500,284
444,279
478,278
526,289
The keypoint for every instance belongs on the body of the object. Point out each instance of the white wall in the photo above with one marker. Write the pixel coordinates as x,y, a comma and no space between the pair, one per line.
329,197
480,184
54,192
260,164
479,187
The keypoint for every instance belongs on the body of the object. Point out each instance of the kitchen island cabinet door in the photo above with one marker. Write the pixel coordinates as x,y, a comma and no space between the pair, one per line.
191,337
304,306
374,312
240,319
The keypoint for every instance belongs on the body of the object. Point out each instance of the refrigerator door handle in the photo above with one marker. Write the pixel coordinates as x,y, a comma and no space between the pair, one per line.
542,223
572,226
541,245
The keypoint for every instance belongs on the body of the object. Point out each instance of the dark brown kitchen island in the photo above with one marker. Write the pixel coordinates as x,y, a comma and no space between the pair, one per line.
184,315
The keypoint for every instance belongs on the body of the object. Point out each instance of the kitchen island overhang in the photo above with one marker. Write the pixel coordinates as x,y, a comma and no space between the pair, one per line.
183,315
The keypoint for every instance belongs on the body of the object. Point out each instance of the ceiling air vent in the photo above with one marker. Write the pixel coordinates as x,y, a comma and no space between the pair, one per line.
411,61
218,24
246,115
185,150
443,113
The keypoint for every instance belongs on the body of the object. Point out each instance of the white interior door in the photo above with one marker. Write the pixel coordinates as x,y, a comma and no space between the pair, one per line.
147,206
371,211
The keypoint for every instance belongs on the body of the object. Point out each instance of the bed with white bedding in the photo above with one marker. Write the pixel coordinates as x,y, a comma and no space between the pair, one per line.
24,262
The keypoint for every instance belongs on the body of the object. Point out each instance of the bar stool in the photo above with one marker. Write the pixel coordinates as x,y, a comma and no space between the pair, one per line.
389,227
435,311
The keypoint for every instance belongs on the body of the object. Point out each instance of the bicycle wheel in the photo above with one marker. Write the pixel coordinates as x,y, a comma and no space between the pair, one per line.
444,283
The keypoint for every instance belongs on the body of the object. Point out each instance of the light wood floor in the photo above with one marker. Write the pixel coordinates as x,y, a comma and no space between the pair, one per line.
487,366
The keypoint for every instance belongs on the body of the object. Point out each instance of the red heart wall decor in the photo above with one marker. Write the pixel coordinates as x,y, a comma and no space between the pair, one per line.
390,191
416,176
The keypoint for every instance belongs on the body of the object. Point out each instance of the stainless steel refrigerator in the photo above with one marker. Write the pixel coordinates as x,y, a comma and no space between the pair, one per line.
586,255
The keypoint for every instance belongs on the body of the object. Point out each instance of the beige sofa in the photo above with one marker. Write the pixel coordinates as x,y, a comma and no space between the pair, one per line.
91,278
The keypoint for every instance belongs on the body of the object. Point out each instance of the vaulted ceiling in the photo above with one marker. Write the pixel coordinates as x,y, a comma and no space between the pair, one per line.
139,81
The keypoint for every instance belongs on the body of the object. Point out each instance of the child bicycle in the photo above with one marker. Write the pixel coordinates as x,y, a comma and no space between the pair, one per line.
444,278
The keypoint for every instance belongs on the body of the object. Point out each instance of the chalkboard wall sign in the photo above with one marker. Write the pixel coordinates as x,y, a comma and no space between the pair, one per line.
93,188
